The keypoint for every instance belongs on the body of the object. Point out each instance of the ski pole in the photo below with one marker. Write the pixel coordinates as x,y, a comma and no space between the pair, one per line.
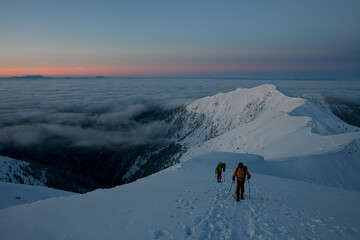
231,187
249,187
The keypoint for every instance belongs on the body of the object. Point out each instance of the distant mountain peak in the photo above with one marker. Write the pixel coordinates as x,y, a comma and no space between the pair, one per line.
33,76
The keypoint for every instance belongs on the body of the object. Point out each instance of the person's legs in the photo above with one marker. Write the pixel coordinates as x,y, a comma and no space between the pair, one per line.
237,190
242,189
219,176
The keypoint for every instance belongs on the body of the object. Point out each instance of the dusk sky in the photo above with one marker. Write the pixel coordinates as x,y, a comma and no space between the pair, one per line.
142,38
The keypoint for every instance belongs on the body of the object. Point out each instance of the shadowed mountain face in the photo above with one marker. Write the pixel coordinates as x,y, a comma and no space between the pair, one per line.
100,148
349,113
82,168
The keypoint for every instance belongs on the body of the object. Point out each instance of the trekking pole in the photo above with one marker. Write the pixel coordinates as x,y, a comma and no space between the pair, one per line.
214,177
249,187
231,187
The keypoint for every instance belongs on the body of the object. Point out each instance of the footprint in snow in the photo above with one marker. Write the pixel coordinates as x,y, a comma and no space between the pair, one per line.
188,230
159,233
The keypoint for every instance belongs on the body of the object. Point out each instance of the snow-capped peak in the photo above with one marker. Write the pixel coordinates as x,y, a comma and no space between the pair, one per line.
263,121
229,110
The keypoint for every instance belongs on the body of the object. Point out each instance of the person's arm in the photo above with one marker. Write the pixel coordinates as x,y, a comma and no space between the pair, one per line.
248,174
235,173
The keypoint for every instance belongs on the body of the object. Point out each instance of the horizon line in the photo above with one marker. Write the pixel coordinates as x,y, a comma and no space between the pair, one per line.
250,76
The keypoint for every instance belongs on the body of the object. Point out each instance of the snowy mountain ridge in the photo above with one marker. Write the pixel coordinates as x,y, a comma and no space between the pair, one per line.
227,111
262,121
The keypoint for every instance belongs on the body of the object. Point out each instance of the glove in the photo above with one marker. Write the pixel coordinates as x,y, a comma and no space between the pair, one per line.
233,178
249,177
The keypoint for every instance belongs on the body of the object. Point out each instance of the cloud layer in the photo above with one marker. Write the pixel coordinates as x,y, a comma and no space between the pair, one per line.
113,113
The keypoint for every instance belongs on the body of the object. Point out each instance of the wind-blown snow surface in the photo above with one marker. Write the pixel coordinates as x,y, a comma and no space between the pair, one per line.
184,202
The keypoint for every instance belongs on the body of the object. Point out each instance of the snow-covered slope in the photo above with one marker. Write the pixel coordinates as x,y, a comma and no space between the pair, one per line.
297,138
184,202
262,121
15,194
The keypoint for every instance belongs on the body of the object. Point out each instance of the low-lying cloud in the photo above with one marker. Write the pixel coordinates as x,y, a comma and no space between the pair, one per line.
112,113
107,129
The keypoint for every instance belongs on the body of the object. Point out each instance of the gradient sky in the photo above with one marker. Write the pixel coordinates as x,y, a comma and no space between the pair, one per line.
122,38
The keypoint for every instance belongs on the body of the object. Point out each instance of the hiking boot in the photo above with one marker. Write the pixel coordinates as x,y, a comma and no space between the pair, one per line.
242,198
237,198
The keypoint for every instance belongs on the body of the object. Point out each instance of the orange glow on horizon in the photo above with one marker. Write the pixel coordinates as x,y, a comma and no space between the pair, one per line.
135,70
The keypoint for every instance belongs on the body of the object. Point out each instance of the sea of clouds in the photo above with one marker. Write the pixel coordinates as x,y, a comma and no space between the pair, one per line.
109,112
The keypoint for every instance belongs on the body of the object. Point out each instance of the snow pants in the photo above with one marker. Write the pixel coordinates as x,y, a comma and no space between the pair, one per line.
240,188
219,176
